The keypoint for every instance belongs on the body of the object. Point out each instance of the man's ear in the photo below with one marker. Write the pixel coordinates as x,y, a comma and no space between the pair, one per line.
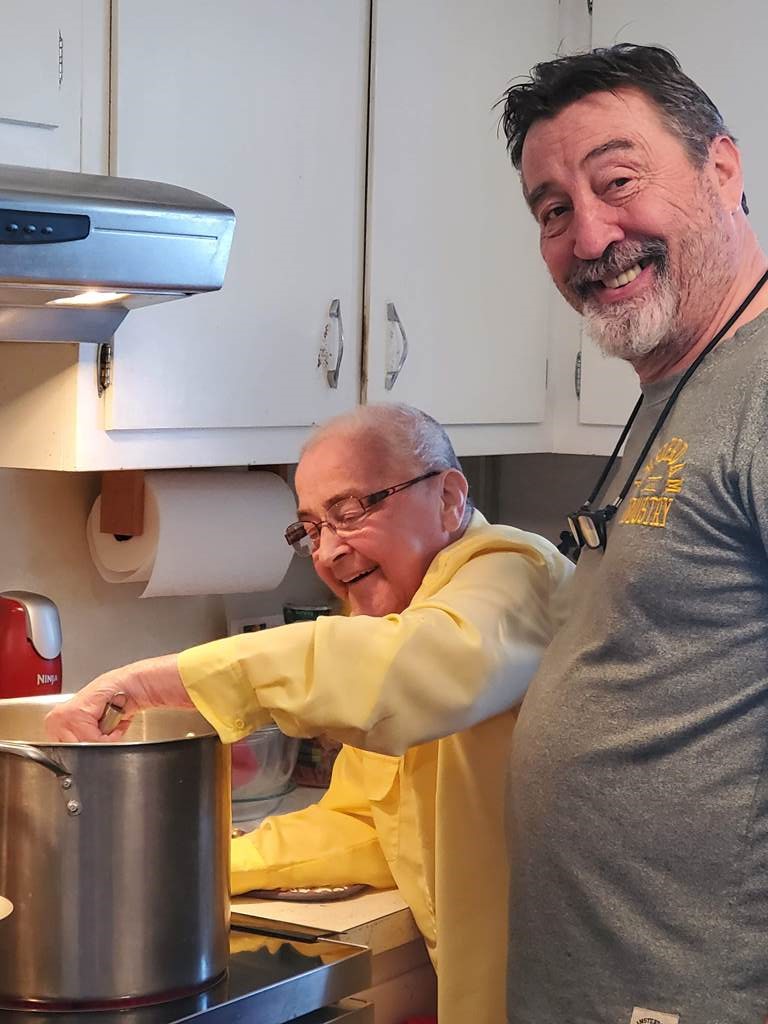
453,500
726,162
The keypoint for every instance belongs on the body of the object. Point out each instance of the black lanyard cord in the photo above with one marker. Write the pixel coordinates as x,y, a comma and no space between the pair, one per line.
612,508
615,453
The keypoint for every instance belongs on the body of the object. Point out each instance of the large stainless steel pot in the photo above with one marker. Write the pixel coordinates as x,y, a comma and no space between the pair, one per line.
115,857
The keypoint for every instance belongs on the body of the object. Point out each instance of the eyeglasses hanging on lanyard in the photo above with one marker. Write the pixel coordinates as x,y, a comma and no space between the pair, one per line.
589,527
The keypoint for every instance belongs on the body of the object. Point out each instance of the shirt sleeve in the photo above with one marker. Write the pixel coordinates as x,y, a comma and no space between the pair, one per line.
331,843
385,684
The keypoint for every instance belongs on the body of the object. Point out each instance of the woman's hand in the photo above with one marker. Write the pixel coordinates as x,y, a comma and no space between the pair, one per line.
154,682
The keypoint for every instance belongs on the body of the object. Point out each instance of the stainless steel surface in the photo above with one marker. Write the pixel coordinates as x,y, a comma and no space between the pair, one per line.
348,1011
395,327
125,896
149,240
267,982
26,750
334,314
25,323
43,623
113,712
278,929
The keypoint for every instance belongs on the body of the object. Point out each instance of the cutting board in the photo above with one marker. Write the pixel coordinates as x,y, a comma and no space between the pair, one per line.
336,916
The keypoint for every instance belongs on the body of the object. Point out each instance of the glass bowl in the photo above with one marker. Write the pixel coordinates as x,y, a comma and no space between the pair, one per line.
262,765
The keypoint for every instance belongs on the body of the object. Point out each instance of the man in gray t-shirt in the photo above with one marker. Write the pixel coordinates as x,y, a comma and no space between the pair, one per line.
639,808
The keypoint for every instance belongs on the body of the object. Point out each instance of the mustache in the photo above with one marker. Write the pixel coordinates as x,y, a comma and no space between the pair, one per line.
617,257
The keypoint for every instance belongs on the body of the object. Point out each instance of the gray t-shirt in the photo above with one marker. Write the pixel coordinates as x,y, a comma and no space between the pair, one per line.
639,797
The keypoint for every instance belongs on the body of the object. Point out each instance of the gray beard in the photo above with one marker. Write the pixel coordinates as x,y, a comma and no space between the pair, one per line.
632,329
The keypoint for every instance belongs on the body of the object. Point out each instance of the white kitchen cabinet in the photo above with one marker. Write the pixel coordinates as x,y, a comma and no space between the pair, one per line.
452,248
265,106
695,33
53,82
447,232
260,104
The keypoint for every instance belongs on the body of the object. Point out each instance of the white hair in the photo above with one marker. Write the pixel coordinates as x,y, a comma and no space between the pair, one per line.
400,431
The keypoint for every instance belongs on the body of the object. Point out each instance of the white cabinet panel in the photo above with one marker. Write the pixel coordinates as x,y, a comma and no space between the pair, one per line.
695,33
41,83
262,105
699,35
609,387
451,242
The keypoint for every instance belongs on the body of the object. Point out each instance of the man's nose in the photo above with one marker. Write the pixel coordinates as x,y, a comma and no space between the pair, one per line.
594,225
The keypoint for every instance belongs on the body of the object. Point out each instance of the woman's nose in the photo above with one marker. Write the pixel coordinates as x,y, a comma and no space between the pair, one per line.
329,545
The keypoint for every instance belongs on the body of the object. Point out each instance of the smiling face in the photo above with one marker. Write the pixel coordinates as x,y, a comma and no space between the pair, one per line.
377,569
636,238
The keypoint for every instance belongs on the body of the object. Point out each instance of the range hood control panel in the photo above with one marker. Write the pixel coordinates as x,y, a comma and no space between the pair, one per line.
27,227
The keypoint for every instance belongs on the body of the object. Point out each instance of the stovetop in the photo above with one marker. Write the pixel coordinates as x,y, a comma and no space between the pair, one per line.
269,980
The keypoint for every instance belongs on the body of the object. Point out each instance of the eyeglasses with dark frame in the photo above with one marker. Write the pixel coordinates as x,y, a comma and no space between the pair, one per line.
343,516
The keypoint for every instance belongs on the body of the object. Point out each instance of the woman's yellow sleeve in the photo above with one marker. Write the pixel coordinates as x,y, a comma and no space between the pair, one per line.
460,653
330,843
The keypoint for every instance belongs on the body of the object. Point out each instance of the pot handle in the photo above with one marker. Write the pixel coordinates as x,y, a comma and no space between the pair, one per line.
113,712
33,754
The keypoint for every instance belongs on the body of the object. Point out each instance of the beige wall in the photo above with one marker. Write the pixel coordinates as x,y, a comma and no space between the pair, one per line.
43,549
533,492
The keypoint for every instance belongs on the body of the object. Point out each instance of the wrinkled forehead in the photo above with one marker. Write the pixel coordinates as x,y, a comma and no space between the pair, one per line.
590,126
349,462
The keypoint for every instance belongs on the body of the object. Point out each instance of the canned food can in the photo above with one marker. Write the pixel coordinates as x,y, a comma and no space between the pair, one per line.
305,612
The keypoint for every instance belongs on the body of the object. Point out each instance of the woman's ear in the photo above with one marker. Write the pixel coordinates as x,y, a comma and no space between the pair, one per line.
453,500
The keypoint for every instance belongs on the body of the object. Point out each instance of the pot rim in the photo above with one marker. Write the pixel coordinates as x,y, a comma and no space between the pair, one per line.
120,744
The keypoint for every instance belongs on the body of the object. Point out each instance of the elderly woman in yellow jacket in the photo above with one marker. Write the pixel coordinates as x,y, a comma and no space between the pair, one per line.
446,618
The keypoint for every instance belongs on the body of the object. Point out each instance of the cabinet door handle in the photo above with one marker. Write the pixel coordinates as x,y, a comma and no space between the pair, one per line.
334,316
395,329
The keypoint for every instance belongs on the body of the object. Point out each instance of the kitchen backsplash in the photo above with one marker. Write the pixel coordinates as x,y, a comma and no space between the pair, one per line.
43,549
533,492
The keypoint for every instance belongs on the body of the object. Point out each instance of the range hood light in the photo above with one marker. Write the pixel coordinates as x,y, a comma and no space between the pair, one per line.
79,251
91,298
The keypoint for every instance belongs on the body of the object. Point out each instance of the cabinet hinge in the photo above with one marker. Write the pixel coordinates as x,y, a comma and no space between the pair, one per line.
577,375
104,357
589,7
61,58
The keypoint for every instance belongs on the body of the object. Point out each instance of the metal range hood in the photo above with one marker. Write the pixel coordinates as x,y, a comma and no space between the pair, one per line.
78,251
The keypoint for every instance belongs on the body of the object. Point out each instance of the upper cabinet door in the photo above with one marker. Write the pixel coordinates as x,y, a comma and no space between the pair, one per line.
41,83
609,387
261,104
453,263
695,33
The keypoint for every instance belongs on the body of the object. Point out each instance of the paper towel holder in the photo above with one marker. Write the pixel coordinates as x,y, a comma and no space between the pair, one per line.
122,503
122,499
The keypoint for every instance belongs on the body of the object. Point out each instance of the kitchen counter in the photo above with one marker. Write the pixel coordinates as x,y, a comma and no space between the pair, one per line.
380,920
403,981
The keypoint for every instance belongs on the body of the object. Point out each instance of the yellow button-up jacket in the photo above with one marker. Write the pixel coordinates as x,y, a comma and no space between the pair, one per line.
412,809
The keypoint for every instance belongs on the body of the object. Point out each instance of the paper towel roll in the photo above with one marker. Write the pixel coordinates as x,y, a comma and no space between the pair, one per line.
205,532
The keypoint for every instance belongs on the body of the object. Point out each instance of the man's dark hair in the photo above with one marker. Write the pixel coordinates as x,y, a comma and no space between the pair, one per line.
686,109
